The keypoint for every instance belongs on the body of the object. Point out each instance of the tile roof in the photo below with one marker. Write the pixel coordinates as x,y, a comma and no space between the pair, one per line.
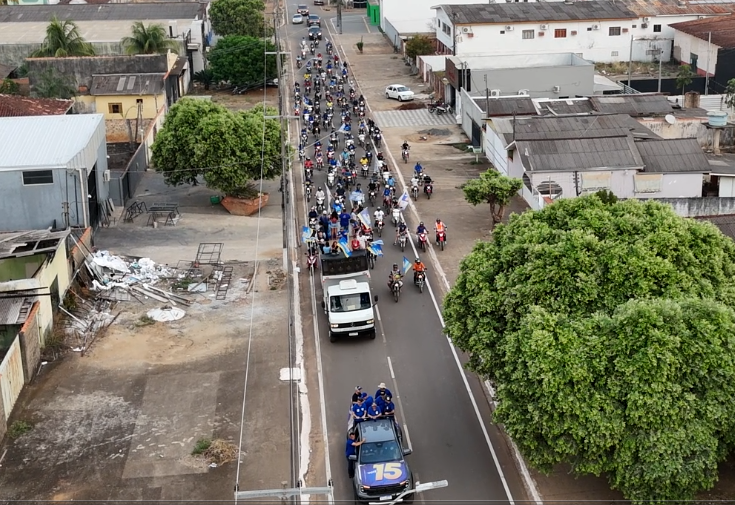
561,107
127,84
15,105
673,155
506,106
676,8
103,12
498,13
722,29
633,105
580,154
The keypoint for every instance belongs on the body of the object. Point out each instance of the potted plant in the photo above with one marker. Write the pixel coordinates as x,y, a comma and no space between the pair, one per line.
360,45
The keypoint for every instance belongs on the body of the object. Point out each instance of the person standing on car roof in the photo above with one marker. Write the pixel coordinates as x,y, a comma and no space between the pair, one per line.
351,450
374,412
357,394
389,408
383,391
359,412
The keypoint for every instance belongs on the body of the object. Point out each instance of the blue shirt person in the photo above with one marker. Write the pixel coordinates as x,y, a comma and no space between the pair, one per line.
367,400
359,412
351,450
388,408
374,412
344,219
383,391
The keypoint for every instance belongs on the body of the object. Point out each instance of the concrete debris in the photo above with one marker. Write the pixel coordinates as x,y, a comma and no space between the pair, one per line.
117,271
166,314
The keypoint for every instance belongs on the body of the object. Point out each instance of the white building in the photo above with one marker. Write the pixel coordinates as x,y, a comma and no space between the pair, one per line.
597,30
402,18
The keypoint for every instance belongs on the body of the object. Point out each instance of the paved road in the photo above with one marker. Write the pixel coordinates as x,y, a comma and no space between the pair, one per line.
415,117
413,357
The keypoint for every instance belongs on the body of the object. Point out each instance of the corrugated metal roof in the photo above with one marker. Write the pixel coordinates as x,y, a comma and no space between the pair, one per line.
127,84
722,29
673,155
561,107
43,142
105,12
580,154
676,8
539,12
506,106
633,105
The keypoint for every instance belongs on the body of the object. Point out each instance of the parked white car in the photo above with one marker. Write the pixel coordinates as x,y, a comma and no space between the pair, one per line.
399,92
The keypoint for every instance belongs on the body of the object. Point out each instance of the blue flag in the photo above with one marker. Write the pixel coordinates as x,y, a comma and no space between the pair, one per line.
344,246
305,234
376,249
403,201
365,217
406,265
378,242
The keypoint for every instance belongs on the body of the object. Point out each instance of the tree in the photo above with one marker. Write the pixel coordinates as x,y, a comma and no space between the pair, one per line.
205,77
684,77
9,87
730,94
63,39
492,188
200,138
607,196
151,39
51,84
240,61
239,17
609,330
419,46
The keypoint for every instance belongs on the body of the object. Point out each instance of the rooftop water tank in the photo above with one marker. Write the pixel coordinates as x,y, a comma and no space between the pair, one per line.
717,118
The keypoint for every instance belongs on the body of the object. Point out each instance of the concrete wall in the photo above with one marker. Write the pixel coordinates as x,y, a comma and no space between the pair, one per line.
594,45
685,45
24,267
79,248
702,207
81,69
685,128
31,340
55,270
573,79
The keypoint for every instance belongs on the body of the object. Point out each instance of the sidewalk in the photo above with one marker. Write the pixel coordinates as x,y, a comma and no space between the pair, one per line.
449,166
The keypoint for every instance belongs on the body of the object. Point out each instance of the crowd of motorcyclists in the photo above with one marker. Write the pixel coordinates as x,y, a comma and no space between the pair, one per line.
327,102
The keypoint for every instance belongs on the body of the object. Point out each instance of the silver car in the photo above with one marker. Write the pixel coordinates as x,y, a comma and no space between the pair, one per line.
297,19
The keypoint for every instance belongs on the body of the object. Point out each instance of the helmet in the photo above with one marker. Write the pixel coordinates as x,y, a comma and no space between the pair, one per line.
308,159
418,260
324,212
395,265
421,223
438,220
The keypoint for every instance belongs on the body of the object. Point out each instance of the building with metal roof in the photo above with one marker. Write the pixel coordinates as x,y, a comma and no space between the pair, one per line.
53,172
505,13
664,156
633,105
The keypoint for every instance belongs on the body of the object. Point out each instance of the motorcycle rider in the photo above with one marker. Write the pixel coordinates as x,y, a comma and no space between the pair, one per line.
400,230
320,196
405,145
440,227
308,164
313,214
395,276
324,221
421,229
379,216
418,169
386,196
372,186
418,266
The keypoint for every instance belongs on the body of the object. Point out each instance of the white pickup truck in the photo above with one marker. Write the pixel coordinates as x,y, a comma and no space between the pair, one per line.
348,302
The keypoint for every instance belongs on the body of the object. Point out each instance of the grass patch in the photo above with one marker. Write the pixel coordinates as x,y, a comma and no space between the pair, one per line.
19,428
462,146
144,320
201,446
183,284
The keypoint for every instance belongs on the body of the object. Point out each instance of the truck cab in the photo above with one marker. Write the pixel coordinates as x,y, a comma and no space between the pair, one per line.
348,301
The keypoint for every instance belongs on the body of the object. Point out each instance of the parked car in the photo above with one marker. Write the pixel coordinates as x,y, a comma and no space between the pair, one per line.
318,2
315,33
399,92
297,19
302,9
314,20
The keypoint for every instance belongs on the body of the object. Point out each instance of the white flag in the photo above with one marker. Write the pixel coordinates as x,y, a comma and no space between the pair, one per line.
403,201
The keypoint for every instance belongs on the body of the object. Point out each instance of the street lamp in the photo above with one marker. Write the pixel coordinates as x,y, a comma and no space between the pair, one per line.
420,488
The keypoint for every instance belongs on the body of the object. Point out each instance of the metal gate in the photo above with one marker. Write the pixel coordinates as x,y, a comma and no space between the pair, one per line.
11,376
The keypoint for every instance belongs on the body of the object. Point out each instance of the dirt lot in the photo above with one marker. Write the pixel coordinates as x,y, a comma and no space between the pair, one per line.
120,423
244,101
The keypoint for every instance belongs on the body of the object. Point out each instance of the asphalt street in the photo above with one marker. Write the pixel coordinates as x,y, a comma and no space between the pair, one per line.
413,357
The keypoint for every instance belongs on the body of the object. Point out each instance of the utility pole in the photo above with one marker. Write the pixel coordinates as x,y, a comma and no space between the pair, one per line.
454,34
487,98
339,16
660,62
630,60
706,69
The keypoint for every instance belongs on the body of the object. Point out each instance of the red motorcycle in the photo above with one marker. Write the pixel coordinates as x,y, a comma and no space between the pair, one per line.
428,189
311,258
441,237
422,241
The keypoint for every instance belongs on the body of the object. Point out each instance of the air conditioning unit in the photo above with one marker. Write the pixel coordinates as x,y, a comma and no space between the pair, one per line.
646,20
700,17
106,176
466,29
556,89
494,92
508,28
544,27
644,25
595,27
523,92
173,29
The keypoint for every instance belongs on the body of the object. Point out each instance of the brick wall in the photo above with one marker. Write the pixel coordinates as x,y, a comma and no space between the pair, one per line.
30,344
80,249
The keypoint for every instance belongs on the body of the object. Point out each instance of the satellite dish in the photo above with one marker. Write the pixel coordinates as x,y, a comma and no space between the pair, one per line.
669,118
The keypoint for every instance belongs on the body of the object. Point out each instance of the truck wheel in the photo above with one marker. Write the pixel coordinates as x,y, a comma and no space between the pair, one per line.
332,337
372,335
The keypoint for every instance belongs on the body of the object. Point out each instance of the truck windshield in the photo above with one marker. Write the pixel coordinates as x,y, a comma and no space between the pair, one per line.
348,303
380,452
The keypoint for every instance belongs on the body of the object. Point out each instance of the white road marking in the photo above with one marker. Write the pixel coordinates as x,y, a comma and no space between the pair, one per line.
408,437
457,361
390,365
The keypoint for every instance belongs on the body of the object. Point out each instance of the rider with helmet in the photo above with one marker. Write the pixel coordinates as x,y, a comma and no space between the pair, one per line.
395,276
402,228
418,266
418,169
440,227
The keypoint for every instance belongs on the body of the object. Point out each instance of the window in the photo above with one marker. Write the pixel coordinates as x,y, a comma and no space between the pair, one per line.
657,28
560,33
528,34
614,31
634,26
502,32
445,28
693,58
138,100
114,108
35,177
614,53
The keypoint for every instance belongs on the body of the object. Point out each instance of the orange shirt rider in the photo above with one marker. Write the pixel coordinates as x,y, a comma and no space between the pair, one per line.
438,228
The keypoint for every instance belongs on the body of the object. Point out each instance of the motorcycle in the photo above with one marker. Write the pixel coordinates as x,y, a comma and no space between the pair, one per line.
311,258
442,236
423,241
396,288
428,189
308,192
405,155
319,163
386,176
364,170
313,223
420,281
371,197
415,192
402,239
320,203
361,139
395,216
330,178
309,173
378,140
379,226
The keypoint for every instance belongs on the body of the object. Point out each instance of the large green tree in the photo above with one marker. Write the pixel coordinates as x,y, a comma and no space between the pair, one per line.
63,39
241,60
239,17
229,149
494,189
609,330
151,39
419,45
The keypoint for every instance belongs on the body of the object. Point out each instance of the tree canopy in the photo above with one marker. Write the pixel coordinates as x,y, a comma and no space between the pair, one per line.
63,39
200,138
151,39
609,330
240,60
419,45
493,188
239,17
